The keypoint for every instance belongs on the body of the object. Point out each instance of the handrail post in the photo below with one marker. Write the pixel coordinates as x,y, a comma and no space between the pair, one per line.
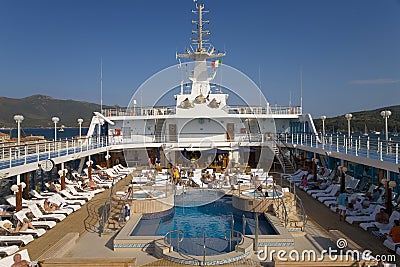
204,248
244,224
380,151
397,153
256,233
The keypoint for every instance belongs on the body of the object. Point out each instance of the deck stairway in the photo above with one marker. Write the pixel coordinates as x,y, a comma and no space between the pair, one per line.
286,163
159,129
112,218
289,209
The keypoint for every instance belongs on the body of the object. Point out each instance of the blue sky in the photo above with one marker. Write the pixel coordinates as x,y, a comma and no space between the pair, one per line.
349,50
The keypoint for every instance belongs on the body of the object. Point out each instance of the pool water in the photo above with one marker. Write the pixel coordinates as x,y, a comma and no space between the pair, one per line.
256,194
212,219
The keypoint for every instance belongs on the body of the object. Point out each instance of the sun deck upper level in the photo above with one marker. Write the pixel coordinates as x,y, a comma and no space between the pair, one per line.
171,110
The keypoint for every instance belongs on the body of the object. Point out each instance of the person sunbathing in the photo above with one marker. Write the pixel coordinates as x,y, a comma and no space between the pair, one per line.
49,207
19,262
25,226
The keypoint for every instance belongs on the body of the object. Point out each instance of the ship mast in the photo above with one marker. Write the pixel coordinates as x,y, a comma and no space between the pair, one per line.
200,78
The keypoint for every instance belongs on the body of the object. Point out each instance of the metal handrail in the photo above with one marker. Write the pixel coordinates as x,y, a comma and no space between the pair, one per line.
105,215
303,214
280,203
179,240
232,235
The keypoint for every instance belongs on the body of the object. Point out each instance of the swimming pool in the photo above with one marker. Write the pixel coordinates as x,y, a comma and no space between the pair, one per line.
212,219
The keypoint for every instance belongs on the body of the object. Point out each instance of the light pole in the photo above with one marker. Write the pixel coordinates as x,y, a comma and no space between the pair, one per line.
385,114
80,121
18,119
323,118
55,120
348,116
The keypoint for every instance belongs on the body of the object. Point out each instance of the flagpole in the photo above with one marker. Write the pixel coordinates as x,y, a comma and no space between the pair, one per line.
101,85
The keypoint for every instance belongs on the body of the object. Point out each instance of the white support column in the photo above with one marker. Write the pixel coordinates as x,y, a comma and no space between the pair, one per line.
397,153
380,150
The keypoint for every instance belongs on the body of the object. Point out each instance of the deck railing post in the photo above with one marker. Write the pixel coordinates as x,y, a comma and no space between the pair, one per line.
368,147
380,150
337,143
397,153
25,152
10,153
356,148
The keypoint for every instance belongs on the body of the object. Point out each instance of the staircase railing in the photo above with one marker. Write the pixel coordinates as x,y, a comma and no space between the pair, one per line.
300,207
280,207
281,155
105,215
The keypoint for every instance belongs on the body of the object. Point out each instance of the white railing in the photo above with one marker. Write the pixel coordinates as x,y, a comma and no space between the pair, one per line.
374,148
363,146
14,155
170,110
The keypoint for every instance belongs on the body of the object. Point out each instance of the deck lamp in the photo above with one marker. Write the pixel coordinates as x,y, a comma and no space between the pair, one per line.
80,121
55,121
348,116
386,114
17,189
18,119
323,118
89,164
108,156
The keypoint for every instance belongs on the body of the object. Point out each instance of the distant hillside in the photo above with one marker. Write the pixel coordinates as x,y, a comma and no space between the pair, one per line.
39,109
371,118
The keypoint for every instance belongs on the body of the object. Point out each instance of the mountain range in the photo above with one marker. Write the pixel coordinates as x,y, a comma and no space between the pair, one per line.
371,119
39,109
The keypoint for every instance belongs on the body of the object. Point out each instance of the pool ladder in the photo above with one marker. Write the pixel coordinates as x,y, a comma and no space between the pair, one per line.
233,234
178,238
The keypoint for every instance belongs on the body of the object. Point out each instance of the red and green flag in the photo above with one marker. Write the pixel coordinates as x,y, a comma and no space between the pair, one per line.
216,63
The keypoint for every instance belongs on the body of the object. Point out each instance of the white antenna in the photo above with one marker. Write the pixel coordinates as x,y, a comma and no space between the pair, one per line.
101,85
259,81
301,89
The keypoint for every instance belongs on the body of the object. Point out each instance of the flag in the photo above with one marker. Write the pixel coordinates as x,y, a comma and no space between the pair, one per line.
216,63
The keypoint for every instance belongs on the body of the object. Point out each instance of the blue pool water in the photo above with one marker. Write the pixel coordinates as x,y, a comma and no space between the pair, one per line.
212,219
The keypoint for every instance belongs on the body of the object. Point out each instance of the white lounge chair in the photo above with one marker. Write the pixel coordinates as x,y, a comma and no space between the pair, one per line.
332,193
364,218
15,240
390,244
20,215
326,190
44,217
65,211
65,203
69,196
382,227
8,250
73,191
35,232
